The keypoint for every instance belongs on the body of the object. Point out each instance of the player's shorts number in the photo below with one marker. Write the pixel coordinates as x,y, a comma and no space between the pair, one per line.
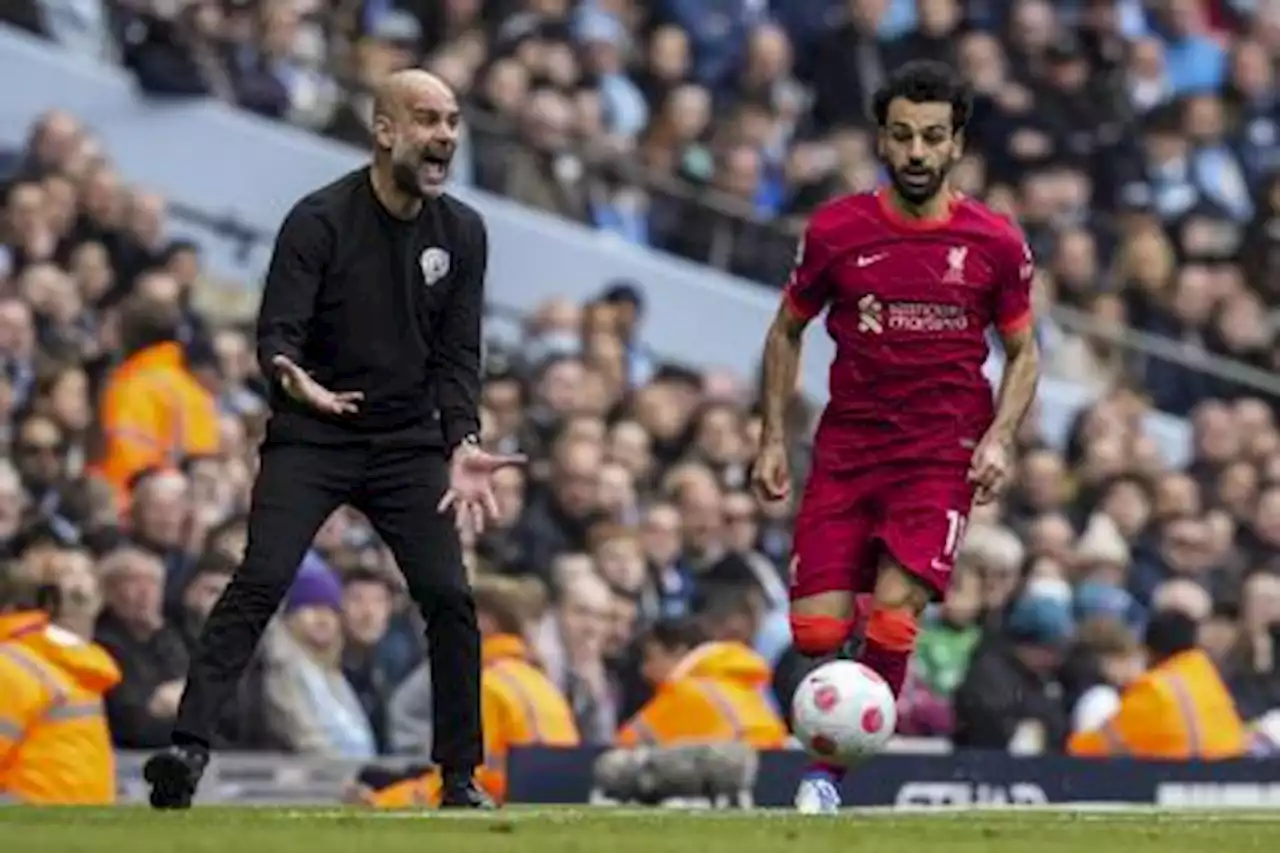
956,522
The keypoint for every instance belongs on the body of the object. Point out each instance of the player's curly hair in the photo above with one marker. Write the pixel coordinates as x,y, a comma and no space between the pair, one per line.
924,81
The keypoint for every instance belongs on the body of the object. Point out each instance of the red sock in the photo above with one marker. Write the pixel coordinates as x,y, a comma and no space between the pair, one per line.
889,640
890,664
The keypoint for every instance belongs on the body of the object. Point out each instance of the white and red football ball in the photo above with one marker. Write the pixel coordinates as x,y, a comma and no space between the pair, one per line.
843,712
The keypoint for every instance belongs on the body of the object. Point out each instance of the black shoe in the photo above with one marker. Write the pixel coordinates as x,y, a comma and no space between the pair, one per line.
463,793
173,776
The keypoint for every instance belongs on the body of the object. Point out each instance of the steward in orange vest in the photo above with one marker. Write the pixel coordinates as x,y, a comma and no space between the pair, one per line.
704,692
519,706
1179,710
55,747
154,413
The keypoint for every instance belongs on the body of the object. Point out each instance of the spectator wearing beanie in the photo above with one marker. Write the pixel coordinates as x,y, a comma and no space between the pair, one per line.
1010,698
310,706
1095,600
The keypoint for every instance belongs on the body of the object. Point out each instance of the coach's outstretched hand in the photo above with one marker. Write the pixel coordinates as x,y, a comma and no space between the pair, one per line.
471,486
299,385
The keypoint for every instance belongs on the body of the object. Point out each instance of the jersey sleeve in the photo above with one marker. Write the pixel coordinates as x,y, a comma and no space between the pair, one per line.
808,289
1014,274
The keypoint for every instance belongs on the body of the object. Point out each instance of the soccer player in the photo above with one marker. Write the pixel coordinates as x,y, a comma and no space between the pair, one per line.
913,276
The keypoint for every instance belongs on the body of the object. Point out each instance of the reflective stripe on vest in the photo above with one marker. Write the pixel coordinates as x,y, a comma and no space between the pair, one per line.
716,696
178,441
1187,710
40,672
37,670
89,709
170,447
527,704
137,436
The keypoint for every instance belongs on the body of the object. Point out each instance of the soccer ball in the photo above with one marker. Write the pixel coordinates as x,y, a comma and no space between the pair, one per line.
843,712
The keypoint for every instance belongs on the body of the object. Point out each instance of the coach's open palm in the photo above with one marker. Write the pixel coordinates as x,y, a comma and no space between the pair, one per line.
471,486
299,385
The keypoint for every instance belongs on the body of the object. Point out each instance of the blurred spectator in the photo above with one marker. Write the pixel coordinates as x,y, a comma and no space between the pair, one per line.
150,653
1116,661
1252,668
201,590
311,708
367,598
154,411
1010,698
572,647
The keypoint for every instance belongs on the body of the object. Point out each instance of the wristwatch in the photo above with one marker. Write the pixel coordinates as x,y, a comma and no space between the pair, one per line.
470,440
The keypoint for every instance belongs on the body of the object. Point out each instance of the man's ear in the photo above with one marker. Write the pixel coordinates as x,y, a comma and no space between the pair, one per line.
383,133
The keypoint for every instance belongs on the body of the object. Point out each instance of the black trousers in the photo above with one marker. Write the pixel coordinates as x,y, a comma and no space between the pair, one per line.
397,488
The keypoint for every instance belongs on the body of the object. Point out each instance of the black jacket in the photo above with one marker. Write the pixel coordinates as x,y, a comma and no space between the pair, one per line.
999,695
367,302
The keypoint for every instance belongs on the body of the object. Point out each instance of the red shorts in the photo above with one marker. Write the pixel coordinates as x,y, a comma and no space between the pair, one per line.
914,515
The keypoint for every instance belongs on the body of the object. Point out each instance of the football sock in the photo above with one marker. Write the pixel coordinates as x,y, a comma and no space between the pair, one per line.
819,636
888,643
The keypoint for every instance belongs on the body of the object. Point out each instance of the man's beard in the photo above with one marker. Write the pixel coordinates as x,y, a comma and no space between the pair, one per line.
918,193
421,174
405,175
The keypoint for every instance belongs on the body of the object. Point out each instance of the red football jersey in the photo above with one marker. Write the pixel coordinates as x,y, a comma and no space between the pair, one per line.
910,304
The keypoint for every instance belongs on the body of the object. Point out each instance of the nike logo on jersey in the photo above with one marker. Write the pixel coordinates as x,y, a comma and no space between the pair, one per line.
868,260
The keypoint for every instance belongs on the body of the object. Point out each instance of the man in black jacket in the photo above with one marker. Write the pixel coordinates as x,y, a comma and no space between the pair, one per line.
370,334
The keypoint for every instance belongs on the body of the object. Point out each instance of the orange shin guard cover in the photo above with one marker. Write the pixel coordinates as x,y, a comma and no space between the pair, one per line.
893,630
819,635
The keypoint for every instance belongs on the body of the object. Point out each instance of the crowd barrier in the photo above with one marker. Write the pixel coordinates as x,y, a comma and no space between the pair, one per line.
564,776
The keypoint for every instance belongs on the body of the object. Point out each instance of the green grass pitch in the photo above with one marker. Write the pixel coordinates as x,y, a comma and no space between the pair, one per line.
603,830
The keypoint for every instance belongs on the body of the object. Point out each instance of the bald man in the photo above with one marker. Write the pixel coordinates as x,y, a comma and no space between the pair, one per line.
369,332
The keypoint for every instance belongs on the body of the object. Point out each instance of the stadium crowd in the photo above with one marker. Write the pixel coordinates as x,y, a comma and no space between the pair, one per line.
1135,143
1135,140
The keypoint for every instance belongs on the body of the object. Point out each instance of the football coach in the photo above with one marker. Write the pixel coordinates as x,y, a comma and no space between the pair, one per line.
369,332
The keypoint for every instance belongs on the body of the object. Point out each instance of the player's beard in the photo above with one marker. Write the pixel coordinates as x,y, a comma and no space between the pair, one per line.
919,191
